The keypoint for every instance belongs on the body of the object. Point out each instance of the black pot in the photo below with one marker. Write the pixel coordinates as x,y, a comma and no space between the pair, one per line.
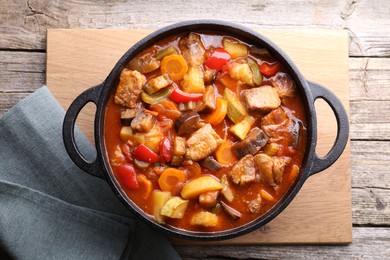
309,92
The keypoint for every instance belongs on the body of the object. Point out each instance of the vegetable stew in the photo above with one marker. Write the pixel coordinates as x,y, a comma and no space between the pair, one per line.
205,132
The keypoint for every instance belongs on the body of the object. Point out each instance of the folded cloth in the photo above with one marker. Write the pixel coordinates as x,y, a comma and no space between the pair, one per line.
49,208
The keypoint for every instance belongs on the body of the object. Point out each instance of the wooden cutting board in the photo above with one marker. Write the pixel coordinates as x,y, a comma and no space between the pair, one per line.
321,213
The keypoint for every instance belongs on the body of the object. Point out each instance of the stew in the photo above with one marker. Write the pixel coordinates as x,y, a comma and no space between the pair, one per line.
205,132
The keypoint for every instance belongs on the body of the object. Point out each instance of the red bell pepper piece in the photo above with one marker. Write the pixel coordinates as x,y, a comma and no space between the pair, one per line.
269,69
128,176
143,153
179,96
166,150
217,59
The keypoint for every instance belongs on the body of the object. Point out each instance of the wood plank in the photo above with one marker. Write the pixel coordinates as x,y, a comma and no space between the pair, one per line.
369,79
24,23
370,98
9,100
368,243
21,72
72,63
371,206
368,24
370,164
370,119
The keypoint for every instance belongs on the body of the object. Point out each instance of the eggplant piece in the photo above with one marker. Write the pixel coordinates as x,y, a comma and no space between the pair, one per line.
226,190
143,122
209,76
235,214
157,83
284,85
188,106
209,97
259,51
212,164
254,141
141,164
216,209
127,115
187,122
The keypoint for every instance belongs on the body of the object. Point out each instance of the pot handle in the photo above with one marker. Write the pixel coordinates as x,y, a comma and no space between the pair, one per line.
90,95
321,163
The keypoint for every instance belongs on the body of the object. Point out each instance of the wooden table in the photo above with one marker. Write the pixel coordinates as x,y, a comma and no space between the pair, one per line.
23,63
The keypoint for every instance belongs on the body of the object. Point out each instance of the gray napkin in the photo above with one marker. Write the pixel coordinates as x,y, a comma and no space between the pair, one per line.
49,208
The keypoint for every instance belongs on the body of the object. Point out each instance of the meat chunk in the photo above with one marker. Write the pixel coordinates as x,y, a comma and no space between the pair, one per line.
129,88
275,117
155,84
254,206
271,169
241,72
279,127
208,199
192,49
275,124
264,98
284,85
244,171
202,143
279,164
118,157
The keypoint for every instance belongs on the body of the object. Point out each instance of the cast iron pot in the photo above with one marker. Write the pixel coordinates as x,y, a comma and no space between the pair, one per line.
309,91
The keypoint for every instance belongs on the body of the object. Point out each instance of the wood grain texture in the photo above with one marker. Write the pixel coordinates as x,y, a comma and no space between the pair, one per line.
73,66
25,22
368,243
21,71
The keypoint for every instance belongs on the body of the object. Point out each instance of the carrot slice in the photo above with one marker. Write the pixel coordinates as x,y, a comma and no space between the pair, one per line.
170,178
266,195
194,170
216,117
170,105
224,153
175,65
228,82
146,184
294,173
